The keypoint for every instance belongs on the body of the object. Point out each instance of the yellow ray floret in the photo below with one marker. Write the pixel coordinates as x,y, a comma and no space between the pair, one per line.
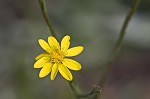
54,60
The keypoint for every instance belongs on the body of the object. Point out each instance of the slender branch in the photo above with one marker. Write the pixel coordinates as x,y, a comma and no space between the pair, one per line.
79,95
118,45
45,15
75,88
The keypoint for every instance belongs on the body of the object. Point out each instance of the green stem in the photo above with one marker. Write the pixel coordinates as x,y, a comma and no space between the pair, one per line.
75,88
118,45
79,95
45,15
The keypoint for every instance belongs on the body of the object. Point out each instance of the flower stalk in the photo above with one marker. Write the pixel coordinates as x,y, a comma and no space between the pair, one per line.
45,15
79,94
75,88
118,45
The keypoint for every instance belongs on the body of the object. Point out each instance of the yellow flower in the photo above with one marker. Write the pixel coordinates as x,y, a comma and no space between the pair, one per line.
54,58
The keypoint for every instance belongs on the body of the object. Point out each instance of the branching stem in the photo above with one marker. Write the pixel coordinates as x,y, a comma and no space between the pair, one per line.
118,45
79,94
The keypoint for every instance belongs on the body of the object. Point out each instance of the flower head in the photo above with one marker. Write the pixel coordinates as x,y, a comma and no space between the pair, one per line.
54,58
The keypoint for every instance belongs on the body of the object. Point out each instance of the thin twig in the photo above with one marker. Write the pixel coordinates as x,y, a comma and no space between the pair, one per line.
79,94
45,15
118,45
75,88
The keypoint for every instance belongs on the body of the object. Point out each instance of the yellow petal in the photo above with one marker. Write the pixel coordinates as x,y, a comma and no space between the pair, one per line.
53,42
54,71
71,64
41,55
44,45
40,63
65,72
65,43
45,70
74,51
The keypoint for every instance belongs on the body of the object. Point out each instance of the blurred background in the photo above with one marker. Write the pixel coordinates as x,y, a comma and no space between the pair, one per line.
95,25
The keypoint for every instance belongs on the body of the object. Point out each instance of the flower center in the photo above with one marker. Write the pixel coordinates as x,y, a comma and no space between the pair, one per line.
57,56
